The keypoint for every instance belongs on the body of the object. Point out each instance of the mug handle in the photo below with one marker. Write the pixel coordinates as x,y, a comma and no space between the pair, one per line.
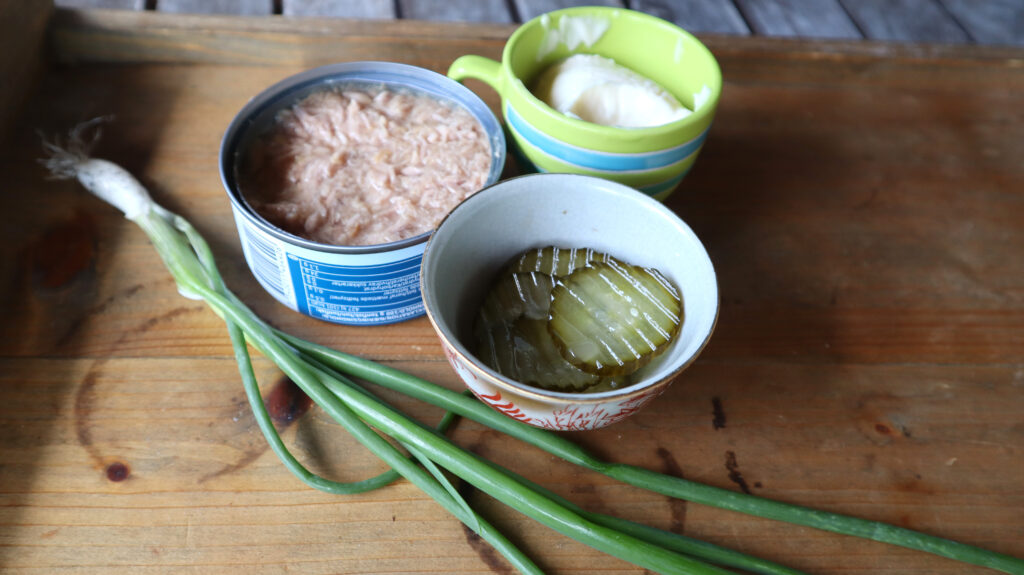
479,68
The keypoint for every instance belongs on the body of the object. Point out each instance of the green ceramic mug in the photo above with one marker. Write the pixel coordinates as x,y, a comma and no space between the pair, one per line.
653,160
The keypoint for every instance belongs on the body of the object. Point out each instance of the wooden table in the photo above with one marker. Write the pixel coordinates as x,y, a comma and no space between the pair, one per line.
863,205
999,22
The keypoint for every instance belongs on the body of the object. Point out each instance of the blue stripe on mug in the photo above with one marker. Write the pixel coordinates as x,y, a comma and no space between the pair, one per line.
606,161
654,190
662,187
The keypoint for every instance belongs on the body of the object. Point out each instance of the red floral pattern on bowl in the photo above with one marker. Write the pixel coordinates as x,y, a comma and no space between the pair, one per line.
560,416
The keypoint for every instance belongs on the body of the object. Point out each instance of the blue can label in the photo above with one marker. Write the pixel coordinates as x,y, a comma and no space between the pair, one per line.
355,289
382,293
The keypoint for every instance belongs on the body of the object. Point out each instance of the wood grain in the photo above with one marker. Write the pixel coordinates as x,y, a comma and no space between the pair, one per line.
529,9
235,7
116,36
697,16
105,4
862,210
96,449
906,21
363,9
800,18
989,22
992,22
459,11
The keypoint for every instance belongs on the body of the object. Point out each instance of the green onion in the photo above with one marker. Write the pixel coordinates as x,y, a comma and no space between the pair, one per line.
657,482
326,376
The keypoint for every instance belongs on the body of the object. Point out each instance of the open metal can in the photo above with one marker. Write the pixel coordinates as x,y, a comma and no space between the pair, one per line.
353,285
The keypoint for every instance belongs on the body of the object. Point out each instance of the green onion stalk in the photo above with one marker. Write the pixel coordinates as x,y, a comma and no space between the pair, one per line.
428,458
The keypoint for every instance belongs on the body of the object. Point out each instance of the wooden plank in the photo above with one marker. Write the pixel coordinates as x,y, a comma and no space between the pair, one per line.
358,9
492,11
831,86
529,9
235,7
798,18
991,22
112,36
23,28
106,4
155,465
696,15
905,21
104,36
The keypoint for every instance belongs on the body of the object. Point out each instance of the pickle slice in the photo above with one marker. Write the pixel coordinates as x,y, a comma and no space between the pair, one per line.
543,364
555,261
613,318
496,347
523,351
610,383
517,295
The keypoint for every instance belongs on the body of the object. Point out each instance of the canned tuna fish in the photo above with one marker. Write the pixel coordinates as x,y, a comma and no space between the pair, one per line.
292,197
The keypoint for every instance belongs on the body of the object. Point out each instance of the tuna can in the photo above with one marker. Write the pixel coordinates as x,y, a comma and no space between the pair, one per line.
352,285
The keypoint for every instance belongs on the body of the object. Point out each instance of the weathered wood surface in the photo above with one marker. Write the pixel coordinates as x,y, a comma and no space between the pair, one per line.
698,16
800,18
444,10
106,4
234,7
364,9
930,21
906,21
862,208
529,9
991,22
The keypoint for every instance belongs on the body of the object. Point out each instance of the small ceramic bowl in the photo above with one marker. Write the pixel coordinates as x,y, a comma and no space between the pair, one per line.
487,229
654,160
352,285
